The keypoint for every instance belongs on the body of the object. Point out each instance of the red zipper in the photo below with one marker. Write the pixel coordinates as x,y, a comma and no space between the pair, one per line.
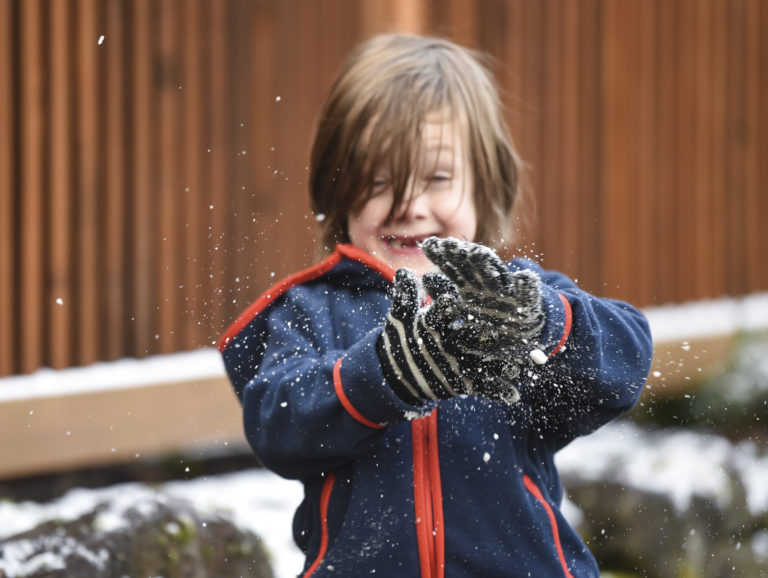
428,497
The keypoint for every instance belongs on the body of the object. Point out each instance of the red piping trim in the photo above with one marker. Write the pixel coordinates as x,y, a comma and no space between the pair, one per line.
313,272
345,400
437,497
567,327
325,499
357,254
276,291
533,489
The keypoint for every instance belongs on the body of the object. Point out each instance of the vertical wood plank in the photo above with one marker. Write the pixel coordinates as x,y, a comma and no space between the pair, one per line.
684,194
550,165
89,330
701,145
714,253
60,294
167,235
31,186
8,163
618,37
588,146
641,218
219,183
532,43
115,182
512,57
461,24
385,16
143,152
735,274
192,199
752,209
667,148
572,138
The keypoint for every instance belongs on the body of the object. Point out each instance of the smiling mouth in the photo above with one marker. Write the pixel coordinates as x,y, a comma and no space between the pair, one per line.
404,242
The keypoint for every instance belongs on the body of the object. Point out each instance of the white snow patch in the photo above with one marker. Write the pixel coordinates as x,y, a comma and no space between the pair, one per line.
123,374
257,500
679,464
709,318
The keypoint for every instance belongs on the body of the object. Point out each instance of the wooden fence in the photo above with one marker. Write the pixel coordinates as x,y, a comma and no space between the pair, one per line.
153,153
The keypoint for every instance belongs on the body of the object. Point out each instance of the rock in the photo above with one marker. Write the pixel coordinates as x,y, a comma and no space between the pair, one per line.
674,503
141,533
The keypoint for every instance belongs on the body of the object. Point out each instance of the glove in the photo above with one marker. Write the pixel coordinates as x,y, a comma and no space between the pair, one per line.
416,362
419,351
503,310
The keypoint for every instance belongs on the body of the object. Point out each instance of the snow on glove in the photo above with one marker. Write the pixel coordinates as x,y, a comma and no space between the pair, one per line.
413,349
492,376
504,309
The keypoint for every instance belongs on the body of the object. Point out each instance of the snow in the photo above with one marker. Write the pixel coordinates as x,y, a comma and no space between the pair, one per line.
256,499
678,464
711,318
125,373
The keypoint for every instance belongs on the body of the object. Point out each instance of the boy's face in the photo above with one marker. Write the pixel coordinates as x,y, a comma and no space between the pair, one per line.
439,201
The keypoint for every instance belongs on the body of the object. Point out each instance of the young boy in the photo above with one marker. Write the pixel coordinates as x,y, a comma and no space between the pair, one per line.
424,425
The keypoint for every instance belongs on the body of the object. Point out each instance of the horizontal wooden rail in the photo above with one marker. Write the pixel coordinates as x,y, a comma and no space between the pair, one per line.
118,412
135,409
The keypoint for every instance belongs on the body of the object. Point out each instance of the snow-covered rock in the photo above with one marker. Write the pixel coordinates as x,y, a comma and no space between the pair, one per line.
138,531
669,503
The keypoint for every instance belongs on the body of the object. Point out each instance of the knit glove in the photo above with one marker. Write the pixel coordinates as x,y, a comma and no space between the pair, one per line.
503,310
419,352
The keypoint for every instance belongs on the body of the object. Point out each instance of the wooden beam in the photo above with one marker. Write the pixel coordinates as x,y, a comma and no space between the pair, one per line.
92,428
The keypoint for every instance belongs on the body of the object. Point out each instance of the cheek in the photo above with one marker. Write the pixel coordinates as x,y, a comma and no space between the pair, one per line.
363,223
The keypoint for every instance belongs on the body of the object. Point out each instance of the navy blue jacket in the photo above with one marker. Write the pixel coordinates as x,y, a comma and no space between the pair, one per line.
462,487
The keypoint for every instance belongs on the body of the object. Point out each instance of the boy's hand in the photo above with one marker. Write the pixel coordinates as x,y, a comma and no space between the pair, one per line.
420,356
503,309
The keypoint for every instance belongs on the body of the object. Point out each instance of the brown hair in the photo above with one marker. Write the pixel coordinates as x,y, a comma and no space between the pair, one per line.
373,116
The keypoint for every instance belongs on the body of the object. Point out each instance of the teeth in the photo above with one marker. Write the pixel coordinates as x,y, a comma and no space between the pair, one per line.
402,243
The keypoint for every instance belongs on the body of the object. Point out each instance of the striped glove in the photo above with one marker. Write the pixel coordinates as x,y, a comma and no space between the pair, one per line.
421,357
503,310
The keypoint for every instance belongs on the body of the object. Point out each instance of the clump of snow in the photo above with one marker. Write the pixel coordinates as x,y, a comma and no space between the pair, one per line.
679,464
16,560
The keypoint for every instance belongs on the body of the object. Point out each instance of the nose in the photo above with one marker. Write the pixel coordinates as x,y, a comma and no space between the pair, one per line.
415,205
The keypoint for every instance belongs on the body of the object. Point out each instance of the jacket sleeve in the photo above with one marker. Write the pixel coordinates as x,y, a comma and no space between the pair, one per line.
600,353
308,406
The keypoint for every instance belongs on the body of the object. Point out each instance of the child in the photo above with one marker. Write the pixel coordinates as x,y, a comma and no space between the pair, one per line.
424,426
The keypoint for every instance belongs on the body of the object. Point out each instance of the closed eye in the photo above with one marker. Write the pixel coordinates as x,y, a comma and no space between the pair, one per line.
440,178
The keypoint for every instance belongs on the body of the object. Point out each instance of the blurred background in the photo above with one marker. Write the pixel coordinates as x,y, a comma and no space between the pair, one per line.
153,171
153,154
153,182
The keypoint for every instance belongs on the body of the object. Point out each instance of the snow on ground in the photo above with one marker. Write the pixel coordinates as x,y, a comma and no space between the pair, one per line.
257,500
679,464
